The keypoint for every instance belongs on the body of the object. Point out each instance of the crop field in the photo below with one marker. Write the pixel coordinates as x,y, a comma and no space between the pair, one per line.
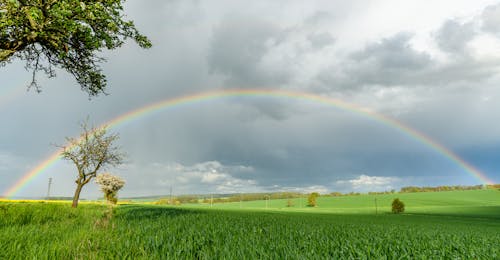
54,230
472,203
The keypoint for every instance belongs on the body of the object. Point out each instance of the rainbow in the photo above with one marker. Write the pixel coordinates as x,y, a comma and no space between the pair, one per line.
217,94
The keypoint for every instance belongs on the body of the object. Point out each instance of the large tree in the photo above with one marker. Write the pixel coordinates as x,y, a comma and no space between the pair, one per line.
93,151
66,34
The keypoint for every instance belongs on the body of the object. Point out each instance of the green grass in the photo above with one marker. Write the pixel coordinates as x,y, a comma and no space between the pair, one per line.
472,203
44,230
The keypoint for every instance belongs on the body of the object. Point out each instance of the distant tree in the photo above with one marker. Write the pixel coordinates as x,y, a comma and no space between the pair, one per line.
311,199
67,34
289,203
93,151
398,206
335,194
110,185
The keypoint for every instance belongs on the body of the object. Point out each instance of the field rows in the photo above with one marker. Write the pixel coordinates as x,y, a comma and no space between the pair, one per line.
38,230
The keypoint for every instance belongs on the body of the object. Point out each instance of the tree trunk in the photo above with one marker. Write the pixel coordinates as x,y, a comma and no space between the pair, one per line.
76,197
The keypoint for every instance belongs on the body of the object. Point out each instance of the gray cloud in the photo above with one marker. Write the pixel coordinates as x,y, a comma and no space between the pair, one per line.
491,19
394,62
389,62
453,36
237,50
320,40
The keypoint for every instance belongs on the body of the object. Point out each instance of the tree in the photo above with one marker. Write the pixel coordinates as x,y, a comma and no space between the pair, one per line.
398,206
110,185
66,34
311,199
93,151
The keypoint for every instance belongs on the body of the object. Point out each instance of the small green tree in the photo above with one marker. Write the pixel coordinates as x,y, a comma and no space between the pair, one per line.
311,199
398,206
290,203
110,185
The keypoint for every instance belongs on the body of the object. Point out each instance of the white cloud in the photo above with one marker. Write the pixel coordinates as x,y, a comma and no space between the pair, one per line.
370,183
203,177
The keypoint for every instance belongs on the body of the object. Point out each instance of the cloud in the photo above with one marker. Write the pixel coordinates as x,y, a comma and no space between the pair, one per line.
238,51
370,183
258,53
203,177
305,189
453,36
394,62
320,40
491,19
389,62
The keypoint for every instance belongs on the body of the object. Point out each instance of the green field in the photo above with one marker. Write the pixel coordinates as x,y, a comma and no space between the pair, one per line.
460,224
470,203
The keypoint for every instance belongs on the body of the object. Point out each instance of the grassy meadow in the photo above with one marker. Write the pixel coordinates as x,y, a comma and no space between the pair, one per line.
471,203
458,224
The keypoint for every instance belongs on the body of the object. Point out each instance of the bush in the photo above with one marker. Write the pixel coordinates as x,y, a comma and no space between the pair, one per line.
110,185
311,200
398,206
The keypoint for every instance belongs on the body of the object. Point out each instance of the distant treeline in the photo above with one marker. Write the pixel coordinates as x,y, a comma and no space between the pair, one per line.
290,195
230,198
448,188
255,196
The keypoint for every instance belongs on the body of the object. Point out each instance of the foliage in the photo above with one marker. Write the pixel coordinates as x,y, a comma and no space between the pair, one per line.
444,188
397,206
251,197
41,230
289,203
110,185
165,201
311,199
93,151
66,34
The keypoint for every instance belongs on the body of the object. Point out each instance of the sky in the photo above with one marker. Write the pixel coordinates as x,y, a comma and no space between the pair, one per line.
433,66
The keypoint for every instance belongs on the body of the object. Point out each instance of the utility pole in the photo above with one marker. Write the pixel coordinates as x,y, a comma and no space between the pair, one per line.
211,199
240,200
48,189
171,201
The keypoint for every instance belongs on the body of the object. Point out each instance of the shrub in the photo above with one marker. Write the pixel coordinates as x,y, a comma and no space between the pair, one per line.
289,203
162,202
311,200
398,206
110,185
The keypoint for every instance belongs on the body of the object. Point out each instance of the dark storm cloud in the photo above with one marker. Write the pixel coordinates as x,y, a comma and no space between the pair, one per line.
392,61
237,49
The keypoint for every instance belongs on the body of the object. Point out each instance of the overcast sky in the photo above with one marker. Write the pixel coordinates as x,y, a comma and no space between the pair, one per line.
433,66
